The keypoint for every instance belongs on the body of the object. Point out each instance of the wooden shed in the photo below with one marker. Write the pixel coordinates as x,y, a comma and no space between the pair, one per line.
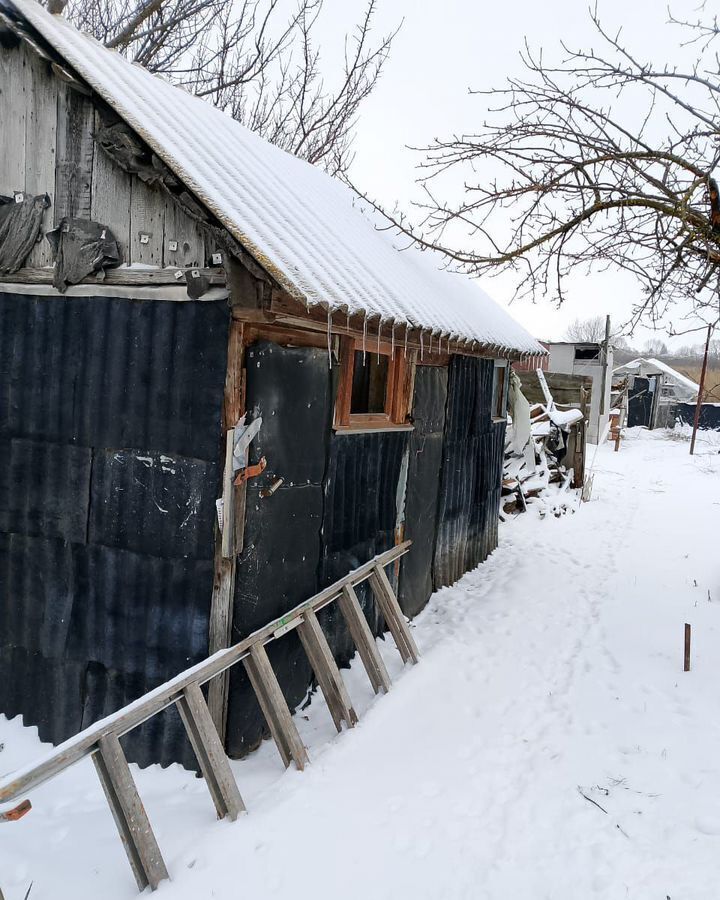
221,388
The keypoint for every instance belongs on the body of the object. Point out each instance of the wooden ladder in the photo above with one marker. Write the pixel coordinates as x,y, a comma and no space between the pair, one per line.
102,740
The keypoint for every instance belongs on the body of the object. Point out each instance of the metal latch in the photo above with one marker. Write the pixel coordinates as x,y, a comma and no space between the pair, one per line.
250,472
12,815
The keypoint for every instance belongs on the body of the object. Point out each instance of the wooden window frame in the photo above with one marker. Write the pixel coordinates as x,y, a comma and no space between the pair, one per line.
395,416
500,417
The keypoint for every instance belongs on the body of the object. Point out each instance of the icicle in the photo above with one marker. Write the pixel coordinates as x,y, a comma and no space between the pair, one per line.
430,345
407,328
421,345
392,341
329,337
364,336
378,340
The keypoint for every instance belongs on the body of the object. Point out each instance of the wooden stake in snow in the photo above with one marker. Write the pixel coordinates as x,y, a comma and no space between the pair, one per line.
688,635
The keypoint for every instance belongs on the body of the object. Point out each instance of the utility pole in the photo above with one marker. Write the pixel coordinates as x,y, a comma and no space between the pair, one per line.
698,405
603,407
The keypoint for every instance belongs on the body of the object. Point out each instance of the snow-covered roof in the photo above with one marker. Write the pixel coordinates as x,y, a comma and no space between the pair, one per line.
647,364
303,226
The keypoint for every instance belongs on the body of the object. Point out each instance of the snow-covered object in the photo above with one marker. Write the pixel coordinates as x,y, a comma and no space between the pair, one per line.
304,227
652,366
563,418
521,434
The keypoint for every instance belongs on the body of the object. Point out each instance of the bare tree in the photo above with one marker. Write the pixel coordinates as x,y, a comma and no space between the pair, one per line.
590,331
655,347
601,160
251,60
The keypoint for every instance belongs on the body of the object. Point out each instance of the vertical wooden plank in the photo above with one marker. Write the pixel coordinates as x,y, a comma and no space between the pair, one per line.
393,615
147,224
41,147
13,106
344,391
186,233
228,497
210,753
364,640
326,671
274,707
224,576
75,149
129,813
111,188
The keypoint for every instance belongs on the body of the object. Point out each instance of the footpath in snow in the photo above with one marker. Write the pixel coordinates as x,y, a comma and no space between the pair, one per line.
548,746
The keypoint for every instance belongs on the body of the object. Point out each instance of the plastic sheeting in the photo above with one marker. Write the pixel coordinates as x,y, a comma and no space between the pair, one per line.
20,222
81,248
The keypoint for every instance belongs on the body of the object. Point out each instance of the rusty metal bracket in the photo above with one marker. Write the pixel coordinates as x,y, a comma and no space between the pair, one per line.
17,812
250,472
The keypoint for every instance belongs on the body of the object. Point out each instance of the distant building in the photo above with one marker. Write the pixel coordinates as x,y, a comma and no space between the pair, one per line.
589,359
654,389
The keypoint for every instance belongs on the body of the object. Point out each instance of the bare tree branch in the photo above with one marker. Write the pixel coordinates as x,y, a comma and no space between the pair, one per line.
598,161
252,60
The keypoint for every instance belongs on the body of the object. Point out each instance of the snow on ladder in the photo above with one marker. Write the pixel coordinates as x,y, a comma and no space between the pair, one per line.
101,741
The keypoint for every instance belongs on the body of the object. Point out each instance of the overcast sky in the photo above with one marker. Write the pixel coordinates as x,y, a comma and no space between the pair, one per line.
447,46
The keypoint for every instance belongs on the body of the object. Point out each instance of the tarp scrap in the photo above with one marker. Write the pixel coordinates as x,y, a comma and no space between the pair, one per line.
20,221
81,247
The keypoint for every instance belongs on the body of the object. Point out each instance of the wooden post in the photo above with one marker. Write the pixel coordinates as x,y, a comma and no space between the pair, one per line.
394,618
605,360
210,753
224,577
326,671
275,709
698,405
688,637
363,639
129,813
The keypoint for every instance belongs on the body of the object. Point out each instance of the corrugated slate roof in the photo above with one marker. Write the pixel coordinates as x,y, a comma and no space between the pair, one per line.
303,226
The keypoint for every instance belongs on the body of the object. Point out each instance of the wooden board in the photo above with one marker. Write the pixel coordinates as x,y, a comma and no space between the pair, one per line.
111,197
147,218
565,389
75,152
210,753
13,111
188,234
129,813
40,147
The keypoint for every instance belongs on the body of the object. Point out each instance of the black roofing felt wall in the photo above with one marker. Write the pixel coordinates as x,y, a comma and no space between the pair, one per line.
423,486
290,388
471,476
709,415
109,446
360,519
336,509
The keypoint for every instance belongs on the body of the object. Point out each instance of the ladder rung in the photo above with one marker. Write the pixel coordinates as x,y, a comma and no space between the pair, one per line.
275,709
326,671
393,615
363,639
129,813
210,753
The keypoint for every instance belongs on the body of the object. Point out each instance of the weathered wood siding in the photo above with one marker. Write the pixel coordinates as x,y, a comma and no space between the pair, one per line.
47,145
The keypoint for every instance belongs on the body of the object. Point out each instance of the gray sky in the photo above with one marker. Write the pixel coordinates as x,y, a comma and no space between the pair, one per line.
448,46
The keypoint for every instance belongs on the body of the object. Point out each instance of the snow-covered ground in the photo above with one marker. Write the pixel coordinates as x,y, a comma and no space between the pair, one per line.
548,745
